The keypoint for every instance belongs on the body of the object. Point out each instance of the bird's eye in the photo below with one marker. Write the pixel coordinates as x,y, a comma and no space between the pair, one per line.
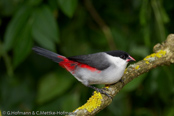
122,56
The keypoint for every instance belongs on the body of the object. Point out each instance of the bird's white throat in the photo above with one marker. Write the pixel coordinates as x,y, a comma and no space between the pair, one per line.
117,61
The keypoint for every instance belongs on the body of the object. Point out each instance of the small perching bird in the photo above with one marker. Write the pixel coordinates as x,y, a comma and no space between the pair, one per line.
98,68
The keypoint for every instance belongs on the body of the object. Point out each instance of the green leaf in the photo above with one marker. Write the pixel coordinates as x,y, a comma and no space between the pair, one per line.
73,99
134,83
143,112
119,104
53,5
15,91
52,85
68,6
45,29
139,50
43,40
165,16
144,12
34,2
15,26
23,44
150,84
170,111
165,85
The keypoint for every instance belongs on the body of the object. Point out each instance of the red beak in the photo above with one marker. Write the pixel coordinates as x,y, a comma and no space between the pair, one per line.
130,59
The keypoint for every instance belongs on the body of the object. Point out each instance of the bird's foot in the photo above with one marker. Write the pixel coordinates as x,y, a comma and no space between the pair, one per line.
106,89
122,81
100,90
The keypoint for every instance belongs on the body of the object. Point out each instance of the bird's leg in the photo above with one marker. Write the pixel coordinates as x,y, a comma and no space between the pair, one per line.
122,81
99,90
106,87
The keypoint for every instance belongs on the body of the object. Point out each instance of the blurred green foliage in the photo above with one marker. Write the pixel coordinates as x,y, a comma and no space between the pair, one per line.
29,82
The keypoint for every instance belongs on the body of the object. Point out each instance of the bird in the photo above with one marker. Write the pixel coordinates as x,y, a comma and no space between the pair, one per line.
97,68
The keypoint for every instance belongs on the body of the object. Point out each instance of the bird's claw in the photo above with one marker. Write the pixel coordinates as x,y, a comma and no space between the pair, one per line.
106,89
102,92
122,81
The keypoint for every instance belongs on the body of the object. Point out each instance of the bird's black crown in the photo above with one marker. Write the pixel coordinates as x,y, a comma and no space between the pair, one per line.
118,53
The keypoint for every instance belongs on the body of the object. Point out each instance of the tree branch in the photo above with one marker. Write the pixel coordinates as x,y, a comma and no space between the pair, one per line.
164,55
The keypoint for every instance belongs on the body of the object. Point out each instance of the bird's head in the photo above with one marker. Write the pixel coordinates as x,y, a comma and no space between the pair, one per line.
121,54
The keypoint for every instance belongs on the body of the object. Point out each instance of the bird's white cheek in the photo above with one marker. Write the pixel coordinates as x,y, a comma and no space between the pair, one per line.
117,61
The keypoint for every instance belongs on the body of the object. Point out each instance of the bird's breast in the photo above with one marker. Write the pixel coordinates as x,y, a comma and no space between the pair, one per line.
108,76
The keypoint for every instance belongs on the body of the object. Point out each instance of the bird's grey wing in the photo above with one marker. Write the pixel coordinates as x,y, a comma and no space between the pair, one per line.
97,60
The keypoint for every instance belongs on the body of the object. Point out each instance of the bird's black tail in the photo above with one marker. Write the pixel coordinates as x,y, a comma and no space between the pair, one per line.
46,53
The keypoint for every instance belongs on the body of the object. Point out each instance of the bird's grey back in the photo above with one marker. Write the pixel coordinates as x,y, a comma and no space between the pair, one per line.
97,60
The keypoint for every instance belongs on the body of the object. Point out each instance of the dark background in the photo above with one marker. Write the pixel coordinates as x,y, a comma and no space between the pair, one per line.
29,82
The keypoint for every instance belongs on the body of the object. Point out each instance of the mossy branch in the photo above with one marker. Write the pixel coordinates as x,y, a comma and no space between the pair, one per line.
163,55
